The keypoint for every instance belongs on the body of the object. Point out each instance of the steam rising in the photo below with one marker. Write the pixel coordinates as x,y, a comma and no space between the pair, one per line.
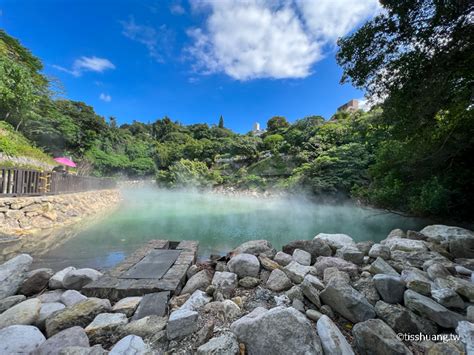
219,223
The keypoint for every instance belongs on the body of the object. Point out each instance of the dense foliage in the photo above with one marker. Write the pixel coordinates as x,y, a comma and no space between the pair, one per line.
418,57
413,151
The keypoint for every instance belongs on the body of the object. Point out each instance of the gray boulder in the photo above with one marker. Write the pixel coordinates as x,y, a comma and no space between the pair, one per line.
131,344
12,274
315,281
225,282
432,310
379,250
402,320
24,313
181,323
225,344
197,300
267,332
51,296
199,281
71,297
249,282
244,265
366,286
417,281
351,254
336,241
332,340
447,297
390,287
302,257
127,305
403,244
20,339
104,326
374,337
316,247
437,270
464,287
380,266
347,301
77,279
79,314
255,247
296,272
332,272
35,281
56,281
310,292
82,350
283,258
459,240
278,281
324,262
75,336
465,330
10,301
46,310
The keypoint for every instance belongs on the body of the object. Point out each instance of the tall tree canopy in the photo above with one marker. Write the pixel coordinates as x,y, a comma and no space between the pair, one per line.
416,57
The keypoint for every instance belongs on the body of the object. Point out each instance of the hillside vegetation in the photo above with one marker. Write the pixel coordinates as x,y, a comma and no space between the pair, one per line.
413,151
14,144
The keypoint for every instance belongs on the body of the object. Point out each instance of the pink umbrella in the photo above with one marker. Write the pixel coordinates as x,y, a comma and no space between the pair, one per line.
65,161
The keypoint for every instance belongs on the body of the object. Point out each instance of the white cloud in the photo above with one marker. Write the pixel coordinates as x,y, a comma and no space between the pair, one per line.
157,41
177,9
251,39
327,20
105,97
85,64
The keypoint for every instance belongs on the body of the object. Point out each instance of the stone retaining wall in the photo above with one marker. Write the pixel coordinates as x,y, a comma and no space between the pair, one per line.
29,215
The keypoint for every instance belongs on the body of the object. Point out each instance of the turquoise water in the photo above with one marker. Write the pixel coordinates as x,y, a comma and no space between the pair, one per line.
218,222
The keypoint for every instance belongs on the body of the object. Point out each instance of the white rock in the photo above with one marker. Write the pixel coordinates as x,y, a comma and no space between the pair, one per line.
77,279
56,281
20,339
283,258
181,323
131,344
296,272
302,257
197,300
71,297
225,344
336,241
278,281
244,265
465,330
379,250
12,274
127,305
225,282
23,313
46,310
105,324
332,340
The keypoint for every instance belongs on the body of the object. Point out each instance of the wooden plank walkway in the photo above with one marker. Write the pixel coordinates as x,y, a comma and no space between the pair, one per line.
160,265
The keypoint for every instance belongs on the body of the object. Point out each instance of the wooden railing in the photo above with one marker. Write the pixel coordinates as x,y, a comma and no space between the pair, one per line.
25,182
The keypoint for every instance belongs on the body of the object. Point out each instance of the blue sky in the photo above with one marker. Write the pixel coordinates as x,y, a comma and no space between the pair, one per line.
193,61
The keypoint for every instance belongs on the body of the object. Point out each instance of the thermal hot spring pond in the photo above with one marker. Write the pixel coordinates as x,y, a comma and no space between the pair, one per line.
218,222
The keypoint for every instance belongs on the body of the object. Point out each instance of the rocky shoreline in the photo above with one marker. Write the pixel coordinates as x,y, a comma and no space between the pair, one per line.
30,215
328,295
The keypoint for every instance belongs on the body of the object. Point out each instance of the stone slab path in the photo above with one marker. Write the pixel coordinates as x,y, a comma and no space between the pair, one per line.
158,266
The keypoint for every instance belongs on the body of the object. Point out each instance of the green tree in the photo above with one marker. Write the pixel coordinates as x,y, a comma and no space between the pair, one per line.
417,57
276,124
221,122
